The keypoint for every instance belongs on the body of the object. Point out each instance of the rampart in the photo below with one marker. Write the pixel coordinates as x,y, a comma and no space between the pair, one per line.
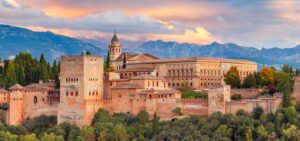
245,93
269,104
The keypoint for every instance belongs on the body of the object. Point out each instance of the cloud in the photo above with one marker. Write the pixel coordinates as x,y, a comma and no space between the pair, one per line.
104,22
258,23
101,23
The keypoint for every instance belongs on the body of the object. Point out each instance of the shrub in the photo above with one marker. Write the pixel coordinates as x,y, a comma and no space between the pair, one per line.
177,111
236,97
194,95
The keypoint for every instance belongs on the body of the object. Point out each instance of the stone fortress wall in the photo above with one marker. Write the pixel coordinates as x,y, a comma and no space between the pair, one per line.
81,94
147,83
296,92
29,102
81,88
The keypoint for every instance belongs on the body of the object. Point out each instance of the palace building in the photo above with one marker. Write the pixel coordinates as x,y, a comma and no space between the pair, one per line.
146,83
199,73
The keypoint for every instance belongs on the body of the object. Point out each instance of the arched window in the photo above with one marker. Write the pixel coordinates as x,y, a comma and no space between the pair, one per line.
35,100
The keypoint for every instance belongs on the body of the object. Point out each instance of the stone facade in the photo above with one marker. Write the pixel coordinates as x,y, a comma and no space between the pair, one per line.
269,104
147,83
199,73
296,92
81,88
4,96
247,93
31,101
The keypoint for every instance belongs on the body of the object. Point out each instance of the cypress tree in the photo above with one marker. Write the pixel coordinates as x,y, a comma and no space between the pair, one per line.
155,124
286,100
55,73
10,78
43,69
21,75
107,63
277,124
124,61
54,70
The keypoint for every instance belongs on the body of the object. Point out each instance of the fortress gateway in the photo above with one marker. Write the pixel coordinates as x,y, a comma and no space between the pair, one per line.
147,82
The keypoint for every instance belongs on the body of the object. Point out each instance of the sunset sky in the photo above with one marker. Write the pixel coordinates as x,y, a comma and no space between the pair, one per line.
257,23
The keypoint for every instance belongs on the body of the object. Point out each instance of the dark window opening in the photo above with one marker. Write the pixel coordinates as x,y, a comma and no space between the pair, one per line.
35,100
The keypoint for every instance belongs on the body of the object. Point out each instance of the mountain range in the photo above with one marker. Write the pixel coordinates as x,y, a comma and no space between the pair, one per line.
15,39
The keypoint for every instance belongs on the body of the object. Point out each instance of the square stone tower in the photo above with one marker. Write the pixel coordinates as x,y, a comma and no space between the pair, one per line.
296,92
217,99
81,88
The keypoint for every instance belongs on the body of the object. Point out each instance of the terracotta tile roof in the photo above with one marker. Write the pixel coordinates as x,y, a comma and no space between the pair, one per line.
136,70
125,86
146,77
130,56
175,60
50,85
16,87
2,90
127,55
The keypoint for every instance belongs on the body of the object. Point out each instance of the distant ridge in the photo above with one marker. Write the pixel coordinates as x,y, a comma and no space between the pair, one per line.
271,57
15,39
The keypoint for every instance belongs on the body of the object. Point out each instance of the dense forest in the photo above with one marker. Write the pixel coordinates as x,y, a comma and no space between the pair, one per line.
24,69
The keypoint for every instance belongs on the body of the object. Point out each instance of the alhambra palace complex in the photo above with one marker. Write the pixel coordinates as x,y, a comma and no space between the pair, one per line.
147,83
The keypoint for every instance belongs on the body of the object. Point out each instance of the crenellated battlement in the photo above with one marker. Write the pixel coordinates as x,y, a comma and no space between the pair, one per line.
78,57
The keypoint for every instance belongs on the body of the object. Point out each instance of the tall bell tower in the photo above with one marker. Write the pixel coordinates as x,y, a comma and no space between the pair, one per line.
115,48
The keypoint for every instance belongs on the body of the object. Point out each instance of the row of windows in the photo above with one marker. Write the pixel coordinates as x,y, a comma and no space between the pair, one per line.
130,75
178,84
180,72
93,93
161,96
71,79
180,65
117,50
154,83
35,99
210,84
16,98
93,79
210,79
72,93
93,59
150,96
183,79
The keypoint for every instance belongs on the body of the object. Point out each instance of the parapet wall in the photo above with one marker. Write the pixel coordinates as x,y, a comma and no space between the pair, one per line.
245,93
269,104
296,92
77,57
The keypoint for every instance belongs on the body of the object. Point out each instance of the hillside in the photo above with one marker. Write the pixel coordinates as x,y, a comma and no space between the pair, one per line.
14,40
273,57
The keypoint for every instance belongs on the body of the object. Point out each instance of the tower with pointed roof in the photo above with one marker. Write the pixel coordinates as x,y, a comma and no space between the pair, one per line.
115,48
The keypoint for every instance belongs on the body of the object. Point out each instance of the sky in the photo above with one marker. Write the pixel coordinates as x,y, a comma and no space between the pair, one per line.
254,23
